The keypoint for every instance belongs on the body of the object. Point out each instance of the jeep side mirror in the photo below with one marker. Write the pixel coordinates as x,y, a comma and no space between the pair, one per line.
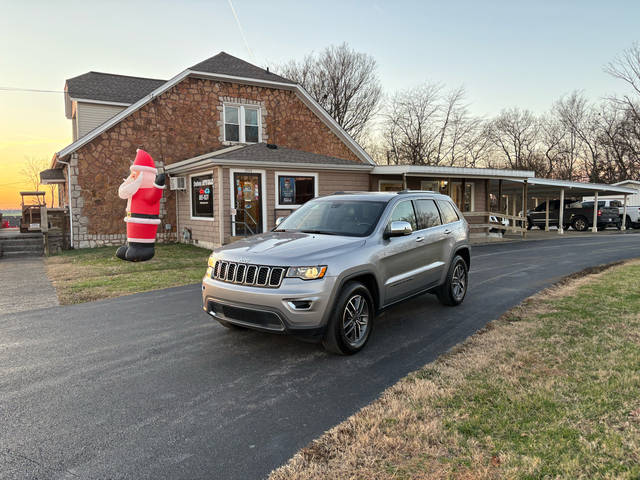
279,220
398,229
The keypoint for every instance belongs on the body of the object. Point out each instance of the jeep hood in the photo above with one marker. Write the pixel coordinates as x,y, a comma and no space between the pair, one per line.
288,248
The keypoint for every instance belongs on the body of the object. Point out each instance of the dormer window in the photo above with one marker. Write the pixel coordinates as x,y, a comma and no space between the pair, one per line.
242,123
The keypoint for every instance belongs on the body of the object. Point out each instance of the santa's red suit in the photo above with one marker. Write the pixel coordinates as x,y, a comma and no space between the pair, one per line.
143,191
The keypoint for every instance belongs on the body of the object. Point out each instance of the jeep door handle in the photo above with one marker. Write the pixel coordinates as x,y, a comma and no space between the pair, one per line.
419,239
447,231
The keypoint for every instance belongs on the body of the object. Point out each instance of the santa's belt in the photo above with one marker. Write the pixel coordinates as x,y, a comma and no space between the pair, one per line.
141,215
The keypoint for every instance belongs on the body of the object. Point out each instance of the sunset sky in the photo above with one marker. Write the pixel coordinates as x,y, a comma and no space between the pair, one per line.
505,53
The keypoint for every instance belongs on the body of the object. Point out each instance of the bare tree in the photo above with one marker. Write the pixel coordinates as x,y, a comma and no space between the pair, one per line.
30,171
626,67
626,146
410,120
476,147
515,133
344,82
581,121
424,126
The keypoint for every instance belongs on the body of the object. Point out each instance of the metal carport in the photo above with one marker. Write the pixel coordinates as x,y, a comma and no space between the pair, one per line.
548,189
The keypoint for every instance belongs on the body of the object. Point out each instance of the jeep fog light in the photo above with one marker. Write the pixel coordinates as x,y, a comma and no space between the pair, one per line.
307,273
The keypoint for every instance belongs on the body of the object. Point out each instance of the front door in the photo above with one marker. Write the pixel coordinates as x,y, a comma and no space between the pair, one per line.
247,203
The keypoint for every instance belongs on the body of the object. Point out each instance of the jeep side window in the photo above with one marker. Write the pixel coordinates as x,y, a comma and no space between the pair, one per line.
403,212
428,215
447,212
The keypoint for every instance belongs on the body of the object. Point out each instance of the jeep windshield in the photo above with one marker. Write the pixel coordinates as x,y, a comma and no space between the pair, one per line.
354,218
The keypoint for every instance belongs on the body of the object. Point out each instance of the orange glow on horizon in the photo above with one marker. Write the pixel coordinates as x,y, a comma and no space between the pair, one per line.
32,125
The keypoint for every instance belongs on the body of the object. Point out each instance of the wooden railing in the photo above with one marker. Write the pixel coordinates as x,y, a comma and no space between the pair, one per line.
514,220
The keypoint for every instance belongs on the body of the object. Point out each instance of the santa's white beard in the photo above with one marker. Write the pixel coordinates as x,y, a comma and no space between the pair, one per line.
130,186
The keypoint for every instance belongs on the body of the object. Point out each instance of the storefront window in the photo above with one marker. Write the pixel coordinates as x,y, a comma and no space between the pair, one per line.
295,190
202,196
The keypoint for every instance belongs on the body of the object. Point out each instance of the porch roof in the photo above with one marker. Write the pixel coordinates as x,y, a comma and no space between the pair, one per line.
52,175
263,155
457,172
547,186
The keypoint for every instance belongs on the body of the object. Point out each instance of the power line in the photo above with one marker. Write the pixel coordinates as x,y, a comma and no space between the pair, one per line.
30,90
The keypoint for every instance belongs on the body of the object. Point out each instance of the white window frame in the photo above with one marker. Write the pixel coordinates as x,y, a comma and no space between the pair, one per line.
263,196
200,174
382,182
294,174
241,121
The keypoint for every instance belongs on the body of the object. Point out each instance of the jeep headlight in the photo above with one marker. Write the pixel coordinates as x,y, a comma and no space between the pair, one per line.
307,273
212,261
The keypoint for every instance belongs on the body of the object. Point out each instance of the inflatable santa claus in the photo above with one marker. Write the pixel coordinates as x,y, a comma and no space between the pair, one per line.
143,191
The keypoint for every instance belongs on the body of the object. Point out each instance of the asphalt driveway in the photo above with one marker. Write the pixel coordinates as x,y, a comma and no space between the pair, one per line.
146,386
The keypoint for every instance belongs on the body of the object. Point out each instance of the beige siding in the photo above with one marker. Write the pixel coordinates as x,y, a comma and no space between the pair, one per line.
208,233
91,115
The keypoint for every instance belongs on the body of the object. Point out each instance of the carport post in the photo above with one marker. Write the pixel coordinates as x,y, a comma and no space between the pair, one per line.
525,191
624,214
546,215
594,226
500,202
561,213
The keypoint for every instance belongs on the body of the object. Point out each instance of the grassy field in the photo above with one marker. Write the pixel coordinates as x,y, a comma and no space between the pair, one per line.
94,273
551,390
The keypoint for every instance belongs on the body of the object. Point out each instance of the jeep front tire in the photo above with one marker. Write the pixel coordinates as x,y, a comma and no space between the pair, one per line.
351,321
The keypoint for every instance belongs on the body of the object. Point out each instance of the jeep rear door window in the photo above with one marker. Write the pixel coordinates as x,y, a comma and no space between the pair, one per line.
449,214
403,212
428,215
334,217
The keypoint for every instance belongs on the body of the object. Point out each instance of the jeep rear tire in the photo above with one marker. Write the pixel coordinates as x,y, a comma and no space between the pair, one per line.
454,289
351,321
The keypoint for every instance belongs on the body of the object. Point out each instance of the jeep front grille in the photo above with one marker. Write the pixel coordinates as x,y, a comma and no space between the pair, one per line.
244,274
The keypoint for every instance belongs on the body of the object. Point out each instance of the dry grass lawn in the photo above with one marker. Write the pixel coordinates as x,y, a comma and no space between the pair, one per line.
95,273
550,390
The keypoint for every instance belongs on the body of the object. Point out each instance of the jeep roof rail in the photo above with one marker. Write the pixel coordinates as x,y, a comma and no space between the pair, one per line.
404,192
349,192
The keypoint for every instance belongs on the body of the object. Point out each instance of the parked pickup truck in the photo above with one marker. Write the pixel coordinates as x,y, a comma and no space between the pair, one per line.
633,212
578,215
536,216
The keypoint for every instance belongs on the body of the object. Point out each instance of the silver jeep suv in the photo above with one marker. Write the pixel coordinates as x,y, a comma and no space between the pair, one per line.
329,267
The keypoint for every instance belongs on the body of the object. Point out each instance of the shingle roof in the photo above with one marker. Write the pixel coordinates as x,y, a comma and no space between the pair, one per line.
261,153
226,64
108,87
53,175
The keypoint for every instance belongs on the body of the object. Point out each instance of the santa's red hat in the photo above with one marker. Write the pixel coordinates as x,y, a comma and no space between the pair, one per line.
143,162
